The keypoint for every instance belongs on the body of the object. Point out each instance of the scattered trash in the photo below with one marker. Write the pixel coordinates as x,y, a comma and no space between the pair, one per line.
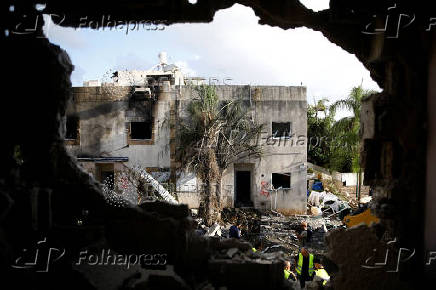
271,232
247,219
231,252
365,217
318,186
315,211
365,199
213,231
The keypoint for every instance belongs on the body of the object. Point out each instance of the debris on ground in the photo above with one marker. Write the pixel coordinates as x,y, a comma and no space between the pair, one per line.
365,217
315,211
328,204
213,231
279,233
366,199
247,219
271,236
274,231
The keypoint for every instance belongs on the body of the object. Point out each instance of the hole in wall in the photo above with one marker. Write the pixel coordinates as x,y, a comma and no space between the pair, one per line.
282,58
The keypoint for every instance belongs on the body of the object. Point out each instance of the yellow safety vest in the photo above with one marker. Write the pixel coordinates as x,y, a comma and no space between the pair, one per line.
254,250
287,273
323,275
300,264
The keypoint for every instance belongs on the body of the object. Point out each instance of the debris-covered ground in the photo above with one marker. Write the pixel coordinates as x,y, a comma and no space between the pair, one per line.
273,232
279,232
273,238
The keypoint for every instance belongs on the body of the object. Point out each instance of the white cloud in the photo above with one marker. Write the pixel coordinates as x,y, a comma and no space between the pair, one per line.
67,38
186,69
77,75
131,61
316,5
233,46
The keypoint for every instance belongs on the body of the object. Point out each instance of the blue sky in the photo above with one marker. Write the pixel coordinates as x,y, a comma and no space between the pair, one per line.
233,46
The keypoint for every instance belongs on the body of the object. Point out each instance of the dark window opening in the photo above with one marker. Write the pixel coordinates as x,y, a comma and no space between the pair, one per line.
140,130
243,188
281,130
281,180
72,128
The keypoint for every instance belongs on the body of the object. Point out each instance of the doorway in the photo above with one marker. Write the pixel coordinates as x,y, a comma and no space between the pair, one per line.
243,189
105,174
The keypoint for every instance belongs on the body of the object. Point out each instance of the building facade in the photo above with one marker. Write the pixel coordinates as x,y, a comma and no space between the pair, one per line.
112,128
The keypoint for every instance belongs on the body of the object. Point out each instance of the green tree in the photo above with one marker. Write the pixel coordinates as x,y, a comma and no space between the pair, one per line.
319,133
345,144
212,135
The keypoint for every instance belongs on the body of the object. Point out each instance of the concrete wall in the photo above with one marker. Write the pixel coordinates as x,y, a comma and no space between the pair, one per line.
350,179
103,132
269,104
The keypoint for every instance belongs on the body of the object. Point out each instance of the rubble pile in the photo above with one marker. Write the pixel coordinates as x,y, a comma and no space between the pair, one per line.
279,233
275,232
327,204
247,219
239,269
237,254
332,186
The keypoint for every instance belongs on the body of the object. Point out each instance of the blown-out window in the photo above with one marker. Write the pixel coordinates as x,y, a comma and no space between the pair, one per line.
281,180
281,130
140,130
72,128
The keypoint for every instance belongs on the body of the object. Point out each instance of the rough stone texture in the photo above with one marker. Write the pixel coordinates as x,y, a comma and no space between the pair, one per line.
394,149
269,104
351,248
104,116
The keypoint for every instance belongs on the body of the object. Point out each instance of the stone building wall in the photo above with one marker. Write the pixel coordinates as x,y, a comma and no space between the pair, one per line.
103,132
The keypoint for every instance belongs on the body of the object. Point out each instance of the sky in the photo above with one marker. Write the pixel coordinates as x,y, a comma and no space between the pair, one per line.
233,46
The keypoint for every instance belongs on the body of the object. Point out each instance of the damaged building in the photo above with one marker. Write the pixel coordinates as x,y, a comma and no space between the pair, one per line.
127,124
44,193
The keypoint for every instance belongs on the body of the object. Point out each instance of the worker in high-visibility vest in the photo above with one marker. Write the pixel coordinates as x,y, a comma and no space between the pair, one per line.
305,266
289,275
321,273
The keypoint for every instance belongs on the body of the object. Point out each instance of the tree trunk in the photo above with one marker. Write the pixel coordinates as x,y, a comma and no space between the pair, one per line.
210,204
211,177
218,198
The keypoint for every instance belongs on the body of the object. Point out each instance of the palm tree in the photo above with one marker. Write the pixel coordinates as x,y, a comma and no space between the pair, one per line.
347,154
347,128
212,135
319,128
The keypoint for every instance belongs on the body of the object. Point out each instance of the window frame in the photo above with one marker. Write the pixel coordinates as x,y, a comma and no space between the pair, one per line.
70,141
286,137
282,173
131,141
141,139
